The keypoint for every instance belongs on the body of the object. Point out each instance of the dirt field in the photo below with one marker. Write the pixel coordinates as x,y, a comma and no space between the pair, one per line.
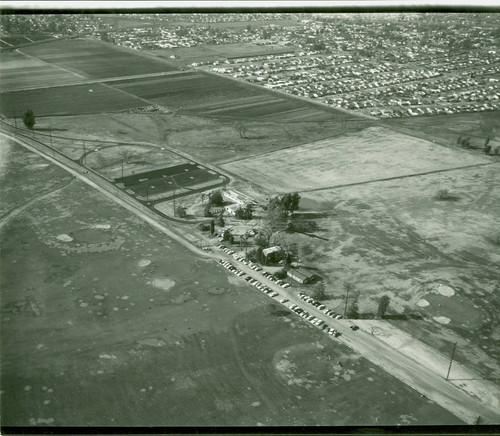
206,139
435,259
94,60
107,322
19,71
67,100
371,154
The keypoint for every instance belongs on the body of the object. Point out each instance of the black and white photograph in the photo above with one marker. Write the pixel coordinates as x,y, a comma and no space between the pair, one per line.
241,215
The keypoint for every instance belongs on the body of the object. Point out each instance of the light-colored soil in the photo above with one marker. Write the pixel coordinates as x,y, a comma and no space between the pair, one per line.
371,154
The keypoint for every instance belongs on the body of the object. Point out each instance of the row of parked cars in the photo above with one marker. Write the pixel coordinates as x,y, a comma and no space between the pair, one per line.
320,306
315,321
323,308
254,266
229,266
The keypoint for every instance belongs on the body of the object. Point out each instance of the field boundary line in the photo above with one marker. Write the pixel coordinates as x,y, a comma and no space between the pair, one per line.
52,65
396,177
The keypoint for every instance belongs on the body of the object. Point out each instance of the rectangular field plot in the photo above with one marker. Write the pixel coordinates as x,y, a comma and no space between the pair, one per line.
174,179
185,90
18,71
272,108
371,154
67,100
95,60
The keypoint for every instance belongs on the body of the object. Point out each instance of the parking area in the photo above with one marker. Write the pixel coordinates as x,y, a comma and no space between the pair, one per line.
295,308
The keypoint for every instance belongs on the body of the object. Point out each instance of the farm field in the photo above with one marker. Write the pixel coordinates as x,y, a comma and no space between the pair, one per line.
185,90
436,260
96,60
371,154
105,321
18,71
67,100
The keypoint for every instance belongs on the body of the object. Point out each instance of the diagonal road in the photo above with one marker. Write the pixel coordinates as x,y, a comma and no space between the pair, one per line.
412,372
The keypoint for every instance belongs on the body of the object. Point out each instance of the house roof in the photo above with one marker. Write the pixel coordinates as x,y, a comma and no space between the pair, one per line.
268,251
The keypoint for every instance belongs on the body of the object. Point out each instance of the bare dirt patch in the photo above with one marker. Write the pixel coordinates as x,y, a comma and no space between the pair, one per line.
371,154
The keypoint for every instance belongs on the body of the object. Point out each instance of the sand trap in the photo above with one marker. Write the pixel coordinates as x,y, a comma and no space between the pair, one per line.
101,226
442,319
144,262
422,303
65,238
445,290
164,284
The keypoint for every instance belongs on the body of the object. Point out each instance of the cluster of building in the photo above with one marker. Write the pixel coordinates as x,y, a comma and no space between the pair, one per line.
449,84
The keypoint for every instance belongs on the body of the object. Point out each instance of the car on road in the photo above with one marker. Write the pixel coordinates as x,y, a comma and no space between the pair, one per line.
284,300
354,327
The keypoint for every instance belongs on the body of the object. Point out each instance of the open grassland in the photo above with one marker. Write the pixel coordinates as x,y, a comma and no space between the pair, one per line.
105,321
18,71
447,129
67,100
371,154
205,139
96,60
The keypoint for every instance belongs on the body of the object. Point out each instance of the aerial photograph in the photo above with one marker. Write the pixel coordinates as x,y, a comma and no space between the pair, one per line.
249,218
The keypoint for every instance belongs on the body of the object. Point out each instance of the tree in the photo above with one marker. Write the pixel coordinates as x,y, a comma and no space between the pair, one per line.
240,128
383,305
215,199
212,227
29,119
227,236
220,221
244,213
320,294
353,310
207,212
181,211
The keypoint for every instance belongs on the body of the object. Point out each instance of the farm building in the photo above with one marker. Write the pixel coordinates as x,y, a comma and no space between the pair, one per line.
231,209
267,251
300,275
237,197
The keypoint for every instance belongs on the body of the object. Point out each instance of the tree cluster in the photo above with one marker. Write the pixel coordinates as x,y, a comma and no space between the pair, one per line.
244,213
464,141
180,211
29,119
215,199
383,305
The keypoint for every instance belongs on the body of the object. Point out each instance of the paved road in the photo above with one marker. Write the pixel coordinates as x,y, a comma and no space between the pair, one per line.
411,372
414,374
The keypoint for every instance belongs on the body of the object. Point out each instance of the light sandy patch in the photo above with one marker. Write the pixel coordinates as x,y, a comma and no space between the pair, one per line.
144,262
233,280
165,284
441,319
422,303
445,290
65,238
101,226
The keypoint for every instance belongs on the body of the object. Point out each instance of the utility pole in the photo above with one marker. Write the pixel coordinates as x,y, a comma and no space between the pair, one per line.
122,168
347,288
451,360
15,118
174,202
